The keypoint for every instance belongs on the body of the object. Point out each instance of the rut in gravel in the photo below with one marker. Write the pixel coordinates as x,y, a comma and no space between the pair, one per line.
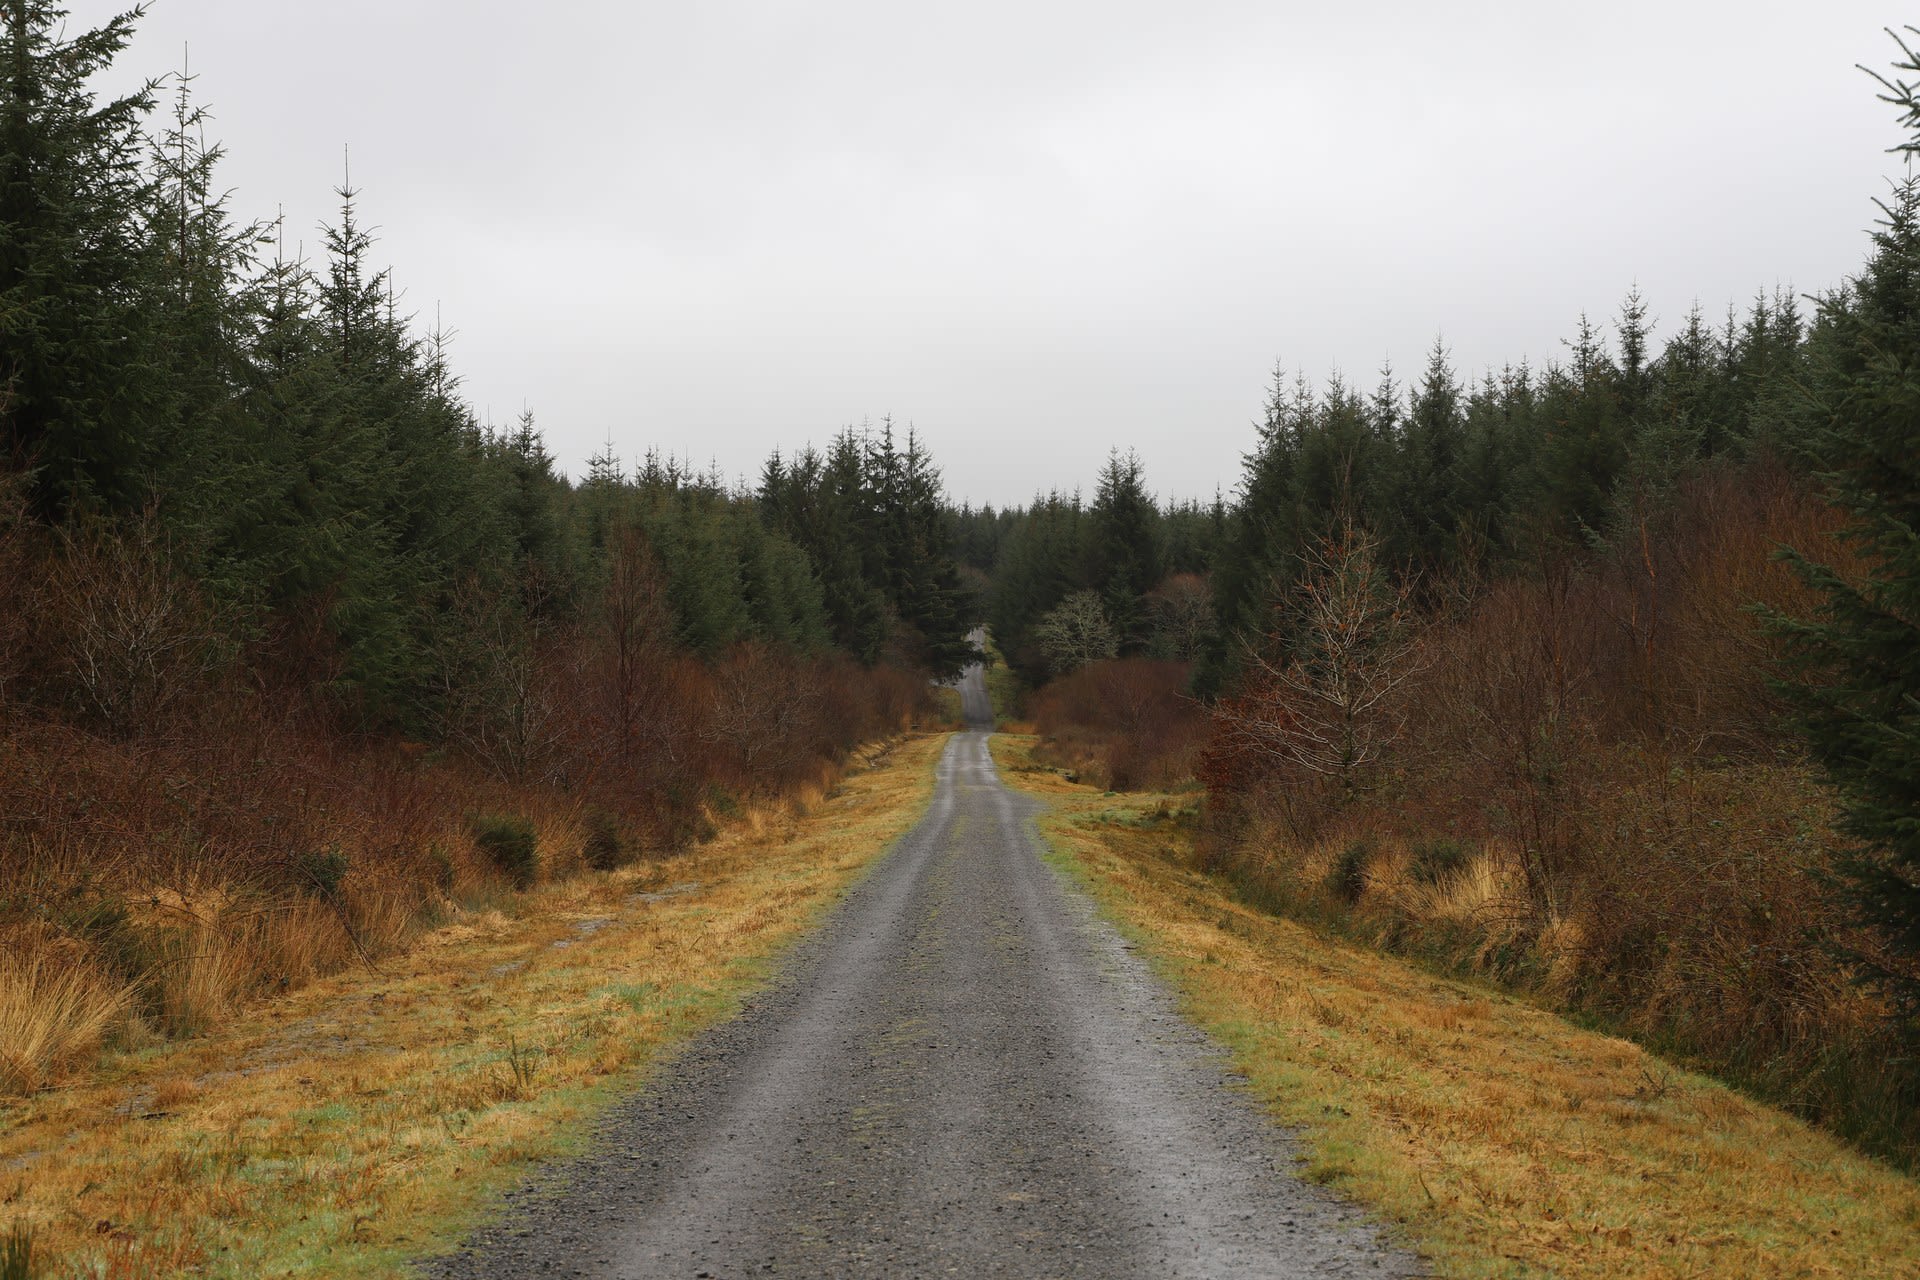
963,1072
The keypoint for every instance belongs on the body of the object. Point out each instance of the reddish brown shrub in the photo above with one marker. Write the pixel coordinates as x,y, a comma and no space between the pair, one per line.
1128,722
194,842
1592,795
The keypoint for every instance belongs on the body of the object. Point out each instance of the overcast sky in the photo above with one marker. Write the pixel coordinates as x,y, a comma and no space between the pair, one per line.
1035,230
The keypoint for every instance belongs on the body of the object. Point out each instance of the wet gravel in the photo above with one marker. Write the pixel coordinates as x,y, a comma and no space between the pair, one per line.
965,1072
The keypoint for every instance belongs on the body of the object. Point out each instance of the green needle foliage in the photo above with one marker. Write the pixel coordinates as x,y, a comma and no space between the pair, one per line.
1859,658
298,457
77,320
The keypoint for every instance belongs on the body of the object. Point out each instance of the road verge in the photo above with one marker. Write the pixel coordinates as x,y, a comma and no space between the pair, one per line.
372,1118
1504,1141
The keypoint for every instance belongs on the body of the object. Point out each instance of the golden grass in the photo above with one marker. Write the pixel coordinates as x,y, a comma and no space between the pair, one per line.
1503,1140
364,1120
52,1015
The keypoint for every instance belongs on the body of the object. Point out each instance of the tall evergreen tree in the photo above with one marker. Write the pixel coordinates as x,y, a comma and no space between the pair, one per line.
78,384
1860,702
1124,552
1425,515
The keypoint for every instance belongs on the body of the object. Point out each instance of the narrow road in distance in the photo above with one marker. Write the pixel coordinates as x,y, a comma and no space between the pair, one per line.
964,1072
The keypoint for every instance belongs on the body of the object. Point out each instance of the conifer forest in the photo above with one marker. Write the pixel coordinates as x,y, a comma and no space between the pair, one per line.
1593,681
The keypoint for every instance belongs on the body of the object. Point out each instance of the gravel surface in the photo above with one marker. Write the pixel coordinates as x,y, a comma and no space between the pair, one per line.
964,1072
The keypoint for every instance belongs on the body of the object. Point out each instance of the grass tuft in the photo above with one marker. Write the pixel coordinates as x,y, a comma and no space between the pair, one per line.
16,1254
51,1016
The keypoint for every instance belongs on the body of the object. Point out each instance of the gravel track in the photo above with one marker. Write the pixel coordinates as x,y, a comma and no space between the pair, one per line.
963,1072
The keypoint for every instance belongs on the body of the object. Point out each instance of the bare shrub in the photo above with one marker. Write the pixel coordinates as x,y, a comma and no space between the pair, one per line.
627,646
1075,632
1505,694
1180,616
1319,696
19,585
500,699
762,715
196,842
131,638
1594,750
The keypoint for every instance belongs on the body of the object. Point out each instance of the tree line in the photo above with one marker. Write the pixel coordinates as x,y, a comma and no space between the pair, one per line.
296,451
298,656
1456,480
1585,636
1069,581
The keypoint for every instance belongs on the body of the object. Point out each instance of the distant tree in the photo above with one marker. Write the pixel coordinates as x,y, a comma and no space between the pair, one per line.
1041,562
1634,332
629,633
1689,389
691,531
1190,533
1582,444
919,574
1486,462
1425,507
533,520
1180,612
1124,551
1076,632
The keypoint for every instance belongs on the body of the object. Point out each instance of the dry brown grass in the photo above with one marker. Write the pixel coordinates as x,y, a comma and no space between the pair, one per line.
363,1120
1503,1140
52,1017
239,848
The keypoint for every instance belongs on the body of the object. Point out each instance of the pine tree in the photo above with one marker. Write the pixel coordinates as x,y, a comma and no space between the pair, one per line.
1634,383
1485,463
212,471
1581,450
1261,538
78,386
1860,704
1124,553
1425,514
1041,562
1689,392
922,579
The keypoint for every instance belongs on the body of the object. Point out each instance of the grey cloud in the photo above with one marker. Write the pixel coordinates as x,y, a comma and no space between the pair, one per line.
1035,229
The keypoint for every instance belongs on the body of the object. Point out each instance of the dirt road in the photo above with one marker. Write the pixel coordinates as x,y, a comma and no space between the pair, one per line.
964,1072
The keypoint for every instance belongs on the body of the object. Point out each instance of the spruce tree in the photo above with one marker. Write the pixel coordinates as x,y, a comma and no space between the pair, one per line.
1426,515
78,388
1124,554
1260,538
1859,654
